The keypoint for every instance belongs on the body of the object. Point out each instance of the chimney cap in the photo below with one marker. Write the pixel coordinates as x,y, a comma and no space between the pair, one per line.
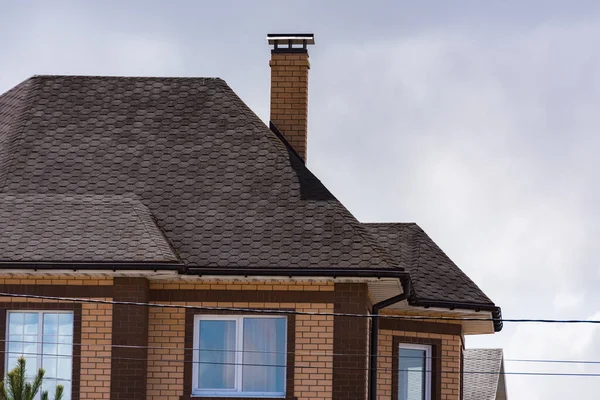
291,38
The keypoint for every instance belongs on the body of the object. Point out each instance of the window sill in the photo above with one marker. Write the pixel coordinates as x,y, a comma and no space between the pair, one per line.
199,397
238,396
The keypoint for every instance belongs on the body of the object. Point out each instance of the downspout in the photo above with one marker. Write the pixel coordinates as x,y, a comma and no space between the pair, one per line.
373,348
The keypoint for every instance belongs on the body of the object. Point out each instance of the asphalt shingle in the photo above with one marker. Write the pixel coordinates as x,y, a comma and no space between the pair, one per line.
484,375
79,228
433,274
221,186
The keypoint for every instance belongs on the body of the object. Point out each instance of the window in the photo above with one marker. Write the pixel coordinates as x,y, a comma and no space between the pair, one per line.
414,372
45,340
239,356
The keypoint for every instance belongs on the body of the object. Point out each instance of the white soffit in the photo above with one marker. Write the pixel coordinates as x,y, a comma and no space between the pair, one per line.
383,289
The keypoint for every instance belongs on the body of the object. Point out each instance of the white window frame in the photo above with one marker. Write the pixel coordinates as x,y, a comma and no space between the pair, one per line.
40,339
428,371
239,326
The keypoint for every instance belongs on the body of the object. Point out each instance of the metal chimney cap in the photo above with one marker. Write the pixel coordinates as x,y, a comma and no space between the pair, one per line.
291,38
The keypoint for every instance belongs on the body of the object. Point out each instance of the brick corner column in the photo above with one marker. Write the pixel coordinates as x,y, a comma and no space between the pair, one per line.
351,338
130,328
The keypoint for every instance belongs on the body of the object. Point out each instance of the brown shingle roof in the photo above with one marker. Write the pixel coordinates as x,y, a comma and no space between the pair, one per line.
221,186
79,228
224,190
433,274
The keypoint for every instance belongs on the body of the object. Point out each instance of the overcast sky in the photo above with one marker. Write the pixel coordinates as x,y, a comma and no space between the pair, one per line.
476,119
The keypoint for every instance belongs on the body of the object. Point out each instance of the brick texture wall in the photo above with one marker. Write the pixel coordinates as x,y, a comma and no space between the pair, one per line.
313,377
449,376
130,328
95,324
317,286
350,342
316,373
96,340
166,339
312,342
289,97
55,280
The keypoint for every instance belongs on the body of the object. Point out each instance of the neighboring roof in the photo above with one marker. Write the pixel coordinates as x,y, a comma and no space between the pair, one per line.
433,274
483,377
81,228
222,187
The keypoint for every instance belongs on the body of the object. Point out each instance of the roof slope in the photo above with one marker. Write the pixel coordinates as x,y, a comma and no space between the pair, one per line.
84,228
12,115
484,375
222,187
433,275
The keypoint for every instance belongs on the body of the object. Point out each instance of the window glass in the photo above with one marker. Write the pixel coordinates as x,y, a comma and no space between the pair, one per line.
412,374
45,340
216,369
264,355
239,356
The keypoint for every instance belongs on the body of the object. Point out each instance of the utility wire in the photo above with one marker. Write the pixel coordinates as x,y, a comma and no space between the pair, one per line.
290,312
296,353
384,369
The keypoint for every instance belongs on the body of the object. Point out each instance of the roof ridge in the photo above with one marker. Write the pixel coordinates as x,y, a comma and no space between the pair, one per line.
382,224
246,111
356,226
149,215
124,77
416,241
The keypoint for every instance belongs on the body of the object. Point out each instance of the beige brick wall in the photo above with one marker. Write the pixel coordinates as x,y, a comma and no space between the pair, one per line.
313,355
314,348
450,376
166,334
289,97
96,340
96,329
247,284
78,280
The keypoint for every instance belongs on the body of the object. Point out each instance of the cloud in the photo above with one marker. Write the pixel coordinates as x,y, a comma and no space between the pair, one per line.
554,342
567,301
59,42
472,121
488,144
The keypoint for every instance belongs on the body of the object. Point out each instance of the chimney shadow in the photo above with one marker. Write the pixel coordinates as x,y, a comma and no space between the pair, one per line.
311,187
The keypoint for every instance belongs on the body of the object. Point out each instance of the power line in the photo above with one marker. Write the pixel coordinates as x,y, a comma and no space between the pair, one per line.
290,312
319,367
296,353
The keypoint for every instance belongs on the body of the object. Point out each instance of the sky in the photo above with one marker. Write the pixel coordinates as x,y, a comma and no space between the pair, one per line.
477,120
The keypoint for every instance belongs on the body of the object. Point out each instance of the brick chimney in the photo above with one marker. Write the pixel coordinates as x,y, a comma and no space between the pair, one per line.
289,87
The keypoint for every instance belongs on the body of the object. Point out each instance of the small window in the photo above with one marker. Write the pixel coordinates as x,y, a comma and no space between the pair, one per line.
414,372
45,340
241,356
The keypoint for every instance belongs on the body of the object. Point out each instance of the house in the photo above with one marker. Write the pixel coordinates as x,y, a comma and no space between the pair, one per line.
159,241
484,374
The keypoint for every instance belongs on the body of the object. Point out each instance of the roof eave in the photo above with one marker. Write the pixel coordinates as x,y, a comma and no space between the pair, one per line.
92,265
199,271
287,272
452,305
